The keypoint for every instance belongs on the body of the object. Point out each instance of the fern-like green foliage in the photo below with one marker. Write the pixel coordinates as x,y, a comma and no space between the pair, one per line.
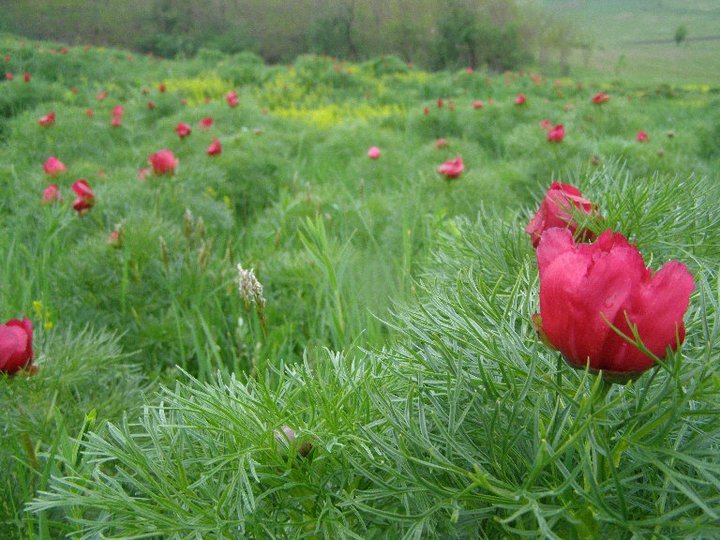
466,426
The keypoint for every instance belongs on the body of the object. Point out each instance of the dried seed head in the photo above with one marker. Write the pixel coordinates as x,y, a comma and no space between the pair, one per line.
251,290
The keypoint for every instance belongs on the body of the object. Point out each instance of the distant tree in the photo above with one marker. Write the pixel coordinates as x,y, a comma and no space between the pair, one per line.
680,34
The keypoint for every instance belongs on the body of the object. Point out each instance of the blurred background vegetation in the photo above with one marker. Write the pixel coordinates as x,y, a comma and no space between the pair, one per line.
500,34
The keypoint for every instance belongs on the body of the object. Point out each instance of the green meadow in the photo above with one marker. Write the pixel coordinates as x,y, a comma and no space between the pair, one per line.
634,40
396,336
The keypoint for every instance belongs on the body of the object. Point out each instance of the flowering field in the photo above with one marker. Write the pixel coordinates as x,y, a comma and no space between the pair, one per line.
354,300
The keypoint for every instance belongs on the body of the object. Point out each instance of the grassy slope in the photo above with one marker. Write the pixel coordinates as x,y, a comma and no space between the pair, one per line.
616,24
335,237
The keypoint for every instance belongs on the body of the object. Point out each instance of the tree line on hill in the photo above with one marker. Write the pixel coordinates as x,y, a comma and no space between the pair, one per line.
436,34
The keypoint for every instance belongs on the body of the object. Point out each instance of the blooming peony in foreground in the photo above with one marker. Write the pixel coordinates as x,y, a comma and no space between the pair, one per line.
452,168
85,198
586,288
163,162
556,211
374,152
53,166
16,350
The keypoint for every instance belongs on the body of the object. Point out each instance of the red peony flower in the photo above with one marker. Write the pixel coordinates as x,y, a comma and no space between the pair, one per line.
373,152
452,168
74,90
600,98
206,123
162,87
53,166
426,110
85,199
47,120
150,105
232,99
642,136
440,102
163,162
478,105
89,113
9,76
51,194
520,99
469,69
556,211
102,95
587,289
26,77
16,350
183,130
118,110
214,149
556,134
546,124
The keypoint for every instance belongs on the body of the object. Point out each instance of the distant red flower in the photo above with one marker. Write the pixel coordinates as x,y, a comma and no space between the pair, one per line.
452,168
440,102
53,166
232,99
51,194
520,99
9,76
546,124
116,121
183,130
441,143
556,210
162,87
64,50
85,199
102,95
478,105
469,69
556,134
214,149
426,110
47,120
26,77
16,351
642,136
600,98
373,152
206,123
89,113
116,237
118,110
163,162
150,105
74,90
